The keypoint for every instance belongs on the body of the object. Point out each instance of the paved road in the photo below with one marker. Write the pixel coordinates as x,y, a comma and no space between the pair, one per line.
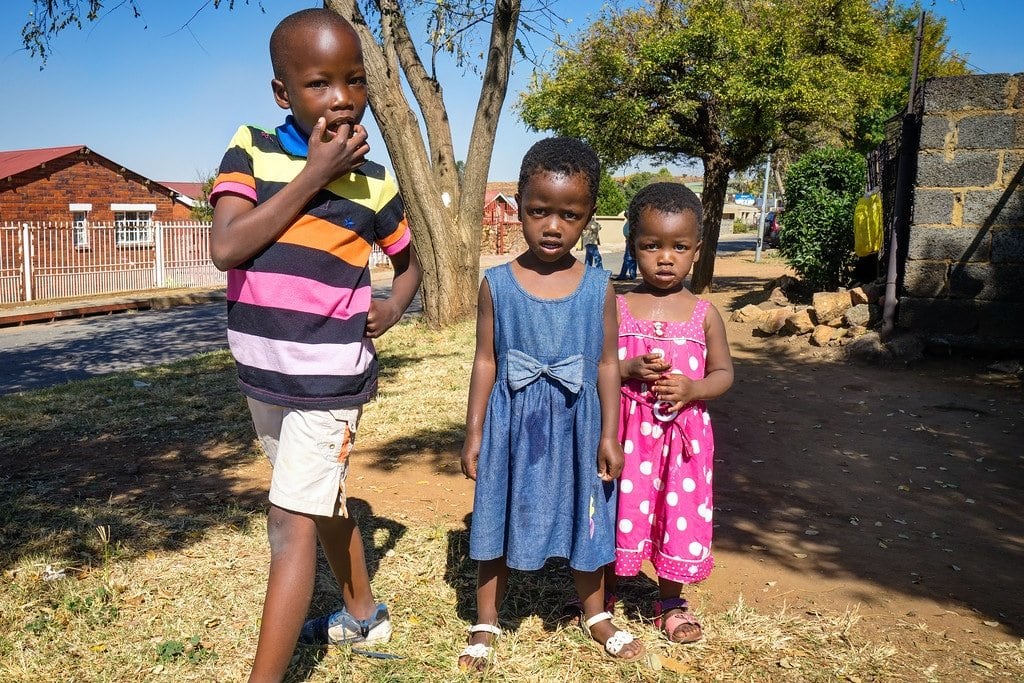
42,355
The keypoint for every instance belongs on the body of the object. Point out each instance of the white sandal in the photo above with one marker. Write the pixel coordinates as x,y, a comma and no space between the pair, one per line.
479,650
618,640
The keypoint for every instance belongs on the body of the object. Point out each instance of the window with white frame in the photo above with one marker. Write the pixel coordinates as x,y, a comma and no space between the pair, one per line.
80,224
133,223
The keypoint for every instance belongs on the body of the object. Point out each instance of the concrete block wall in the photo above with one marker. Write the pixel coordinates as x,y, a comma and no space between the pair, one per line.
964,273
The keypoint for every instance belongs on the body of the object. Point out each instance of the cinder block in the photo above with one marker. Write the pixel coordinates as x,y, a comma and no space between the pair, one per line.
934,130
1013,167
985,131
925,278
987,282
955,93
933,207
1008,246
965,169
928,314
994,207
949,244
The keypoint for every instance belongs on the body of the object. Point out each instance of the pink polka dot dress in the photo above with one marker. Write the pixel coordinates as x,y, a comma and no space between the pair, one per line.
664,509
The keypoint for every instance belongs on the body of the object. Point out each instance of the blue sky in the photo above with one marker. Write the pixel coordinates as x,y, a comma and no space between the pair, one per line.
164,100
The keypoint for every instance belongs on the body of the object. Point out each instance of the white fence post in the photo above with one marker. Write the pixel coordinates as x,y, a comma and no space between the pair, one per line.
26,247
158,265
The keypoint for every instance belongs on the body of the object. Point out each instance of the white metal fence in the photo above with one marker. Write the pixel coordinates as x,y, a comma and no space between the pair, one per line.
61,260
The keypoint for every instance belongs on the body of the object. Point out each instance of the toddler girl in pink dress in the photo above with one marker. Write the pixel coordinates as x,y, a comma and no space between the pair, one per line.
673,355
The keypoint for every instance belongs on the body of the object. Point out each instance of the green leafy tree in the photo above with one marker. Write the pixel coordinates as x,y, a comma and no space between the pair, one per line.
444,206
816,238
202,211
724,81
611,200
892,66
635,183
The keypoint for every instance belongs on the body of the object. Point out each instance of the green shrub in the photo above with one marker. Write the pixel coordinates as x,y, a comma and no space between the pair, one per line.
611,200
816,236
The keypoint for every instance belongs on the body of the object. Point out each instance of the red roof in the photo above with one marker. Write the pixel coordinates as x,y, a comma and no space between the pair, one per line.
190,190
491,195
20,160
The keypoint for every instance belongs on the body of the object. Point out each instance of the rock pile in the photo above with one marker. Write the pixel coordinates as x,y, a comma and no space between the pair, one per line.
832,318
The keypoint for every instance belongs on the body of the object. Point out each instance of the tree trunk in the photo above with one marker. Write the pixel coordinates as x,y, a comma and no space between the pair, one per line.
712,199
445,216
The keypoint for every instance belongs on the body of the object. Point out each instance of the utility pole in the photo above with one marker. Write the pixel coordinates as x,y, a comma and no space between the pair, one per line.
764,209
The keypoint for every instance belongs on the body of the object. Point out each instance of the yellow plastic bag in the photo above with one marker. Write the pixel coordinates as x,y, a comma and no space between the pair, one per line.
867,225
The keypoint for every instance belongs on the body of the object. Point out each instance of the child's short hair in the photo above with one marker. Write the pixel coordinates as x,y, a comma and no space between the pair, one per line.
667,198
312,18
562,155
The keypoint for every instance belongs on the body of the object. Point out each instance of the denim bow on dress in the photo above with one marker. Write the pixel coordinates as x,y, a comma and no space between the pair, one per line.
524,369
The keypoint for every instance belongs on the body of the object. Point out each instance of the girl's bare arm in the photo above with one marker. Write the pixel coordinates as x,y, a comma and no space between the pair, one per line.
481,381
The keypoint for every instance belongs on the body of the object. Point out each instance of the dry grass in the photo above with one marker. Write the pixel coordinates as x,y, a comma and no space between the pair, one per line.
167,585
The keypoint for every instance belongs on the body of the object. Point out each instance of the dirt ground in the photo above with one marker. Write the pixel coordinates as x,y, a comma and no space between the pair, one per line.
894,491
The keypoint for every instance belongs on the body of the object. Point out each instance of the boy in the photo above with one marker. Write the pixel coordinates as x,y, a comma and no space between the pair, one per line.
296,211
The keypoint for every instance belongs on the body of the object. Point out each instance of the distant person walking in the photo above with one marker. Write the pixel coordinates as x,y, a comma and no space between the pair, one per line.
628,271
591,240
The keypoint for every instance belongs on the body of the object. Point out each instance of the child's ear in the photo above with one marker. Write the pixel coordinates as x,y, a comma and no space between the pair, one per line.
519,208
696,251
280,94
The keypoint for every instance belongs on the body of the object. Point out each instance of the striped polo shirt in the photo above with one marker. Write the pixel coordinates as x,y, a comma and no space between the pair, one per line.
297,309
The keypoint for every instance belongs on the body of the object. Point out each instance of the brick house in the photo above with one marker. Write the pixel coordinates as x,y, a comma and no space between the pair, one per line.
74,223
77,185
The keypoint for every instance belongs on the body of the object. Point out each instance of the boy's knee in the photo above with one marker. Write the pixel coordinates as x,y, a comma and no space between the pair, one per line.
287,529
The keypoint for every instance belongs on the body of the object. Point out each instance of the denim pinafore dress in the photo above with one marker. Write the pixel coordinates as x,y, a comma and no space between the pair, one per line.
538,495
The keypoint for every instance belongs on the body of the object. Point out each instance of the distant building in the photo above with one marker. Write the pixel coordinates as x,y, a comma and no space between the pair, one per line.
76,185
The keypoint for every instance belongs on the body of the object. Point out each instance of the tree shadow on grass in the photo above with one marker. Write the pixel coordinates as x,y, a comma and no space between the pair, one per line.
159,456
429,445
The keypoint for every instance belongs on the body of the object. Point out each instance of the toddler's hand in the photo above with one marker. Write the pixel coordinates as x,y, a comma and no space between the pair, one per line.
380,318
609,460
334,154
677,389
646,368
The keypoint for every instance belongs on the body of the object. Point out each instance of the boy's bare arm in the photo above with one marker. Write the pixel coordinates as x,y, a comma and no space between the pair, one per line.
481,381
384,314
242,229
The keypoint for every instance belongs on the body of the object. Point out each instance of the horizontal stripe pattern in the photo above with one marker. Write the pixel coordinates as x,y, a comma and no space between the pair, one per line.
309,328
297,358
308,391
290,292
292,258
317,233
297,310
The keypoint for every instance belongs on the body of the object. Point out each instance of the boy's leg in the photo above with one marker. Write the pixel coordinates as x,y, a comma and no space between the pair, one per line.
491,582
343,547
289,590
